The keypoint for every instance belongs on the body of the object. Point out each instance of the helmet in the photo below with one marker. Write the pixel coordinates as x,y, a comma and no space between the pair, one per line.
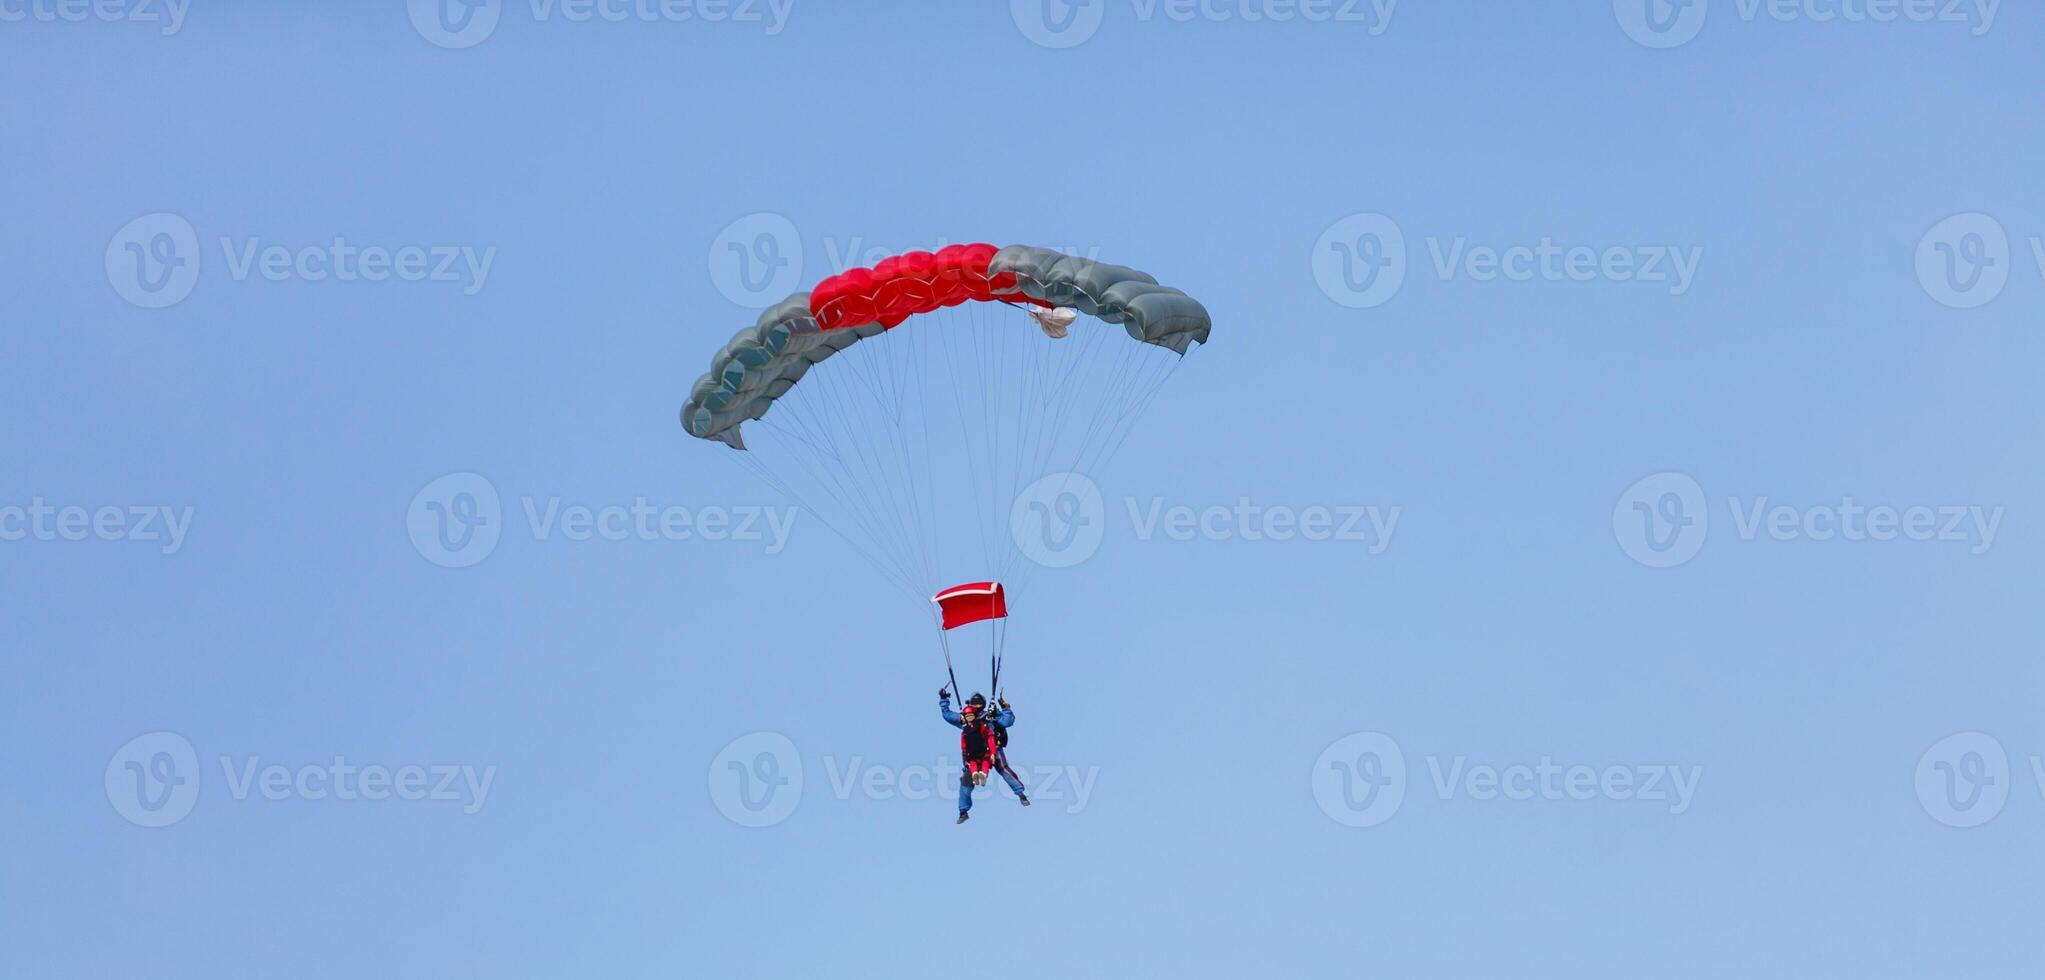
978,700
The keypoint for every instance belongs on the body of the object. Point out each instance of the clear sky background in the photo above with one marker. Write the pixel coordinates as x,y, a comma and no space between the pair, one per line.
1206,686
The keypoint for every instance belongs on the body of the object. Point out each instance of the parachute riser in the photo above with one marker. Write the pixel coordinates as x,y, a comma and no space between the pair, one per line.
997,646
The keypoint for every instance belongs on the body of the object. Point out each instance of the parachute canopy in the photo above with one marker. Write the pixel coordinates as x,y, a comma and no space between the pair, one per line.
972,602
765,361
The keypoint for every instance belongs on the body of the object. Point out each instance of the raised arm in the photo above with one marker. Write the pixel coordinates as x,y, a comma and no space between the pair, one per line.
944,708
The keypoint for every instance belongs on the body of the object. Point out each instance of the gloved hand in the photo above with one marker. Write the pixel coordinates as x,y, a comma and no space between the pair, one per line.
944,693
1003,702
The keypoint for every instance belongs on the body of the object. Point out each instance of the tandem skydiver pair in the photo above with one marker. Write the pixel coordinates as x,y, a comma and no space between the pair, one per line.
983,746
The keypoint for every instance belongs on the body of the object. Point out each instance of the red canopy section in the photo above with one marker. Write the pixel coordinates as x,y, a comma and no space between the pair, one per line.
905,285
971,603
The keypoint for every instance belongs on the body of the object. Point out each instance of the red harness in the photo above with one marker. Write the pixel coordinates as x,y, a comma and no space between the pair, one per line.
977,724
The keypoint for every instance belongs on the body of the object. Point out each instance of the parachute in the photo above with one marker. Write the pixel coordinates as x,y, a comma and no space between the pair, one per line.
765,361
919,440
972,602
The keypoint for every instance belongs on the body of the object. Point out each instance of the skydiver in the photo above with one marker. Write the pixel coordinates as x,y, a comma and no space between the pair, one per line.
980,749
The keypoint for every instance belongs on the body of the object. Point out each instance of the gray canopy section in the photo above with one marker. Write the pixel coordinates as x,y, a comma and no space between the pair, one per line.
1118,294
763,361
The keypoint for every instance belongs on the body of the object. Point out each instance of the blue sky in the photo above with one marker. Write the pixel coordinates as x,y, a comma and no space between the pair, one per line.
1766,529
